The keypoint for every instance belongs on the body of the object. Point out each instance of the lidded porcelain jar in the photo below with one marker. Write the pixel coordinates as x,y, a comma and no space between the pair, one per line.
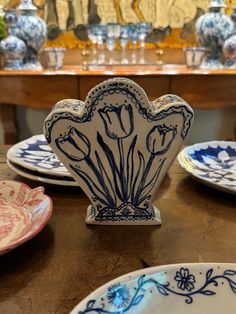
229,48
212,30
33,30
13,48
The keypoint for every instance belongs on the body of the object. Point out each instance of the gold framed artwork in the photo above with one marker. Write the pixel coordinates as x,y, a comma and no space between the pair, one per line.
173,21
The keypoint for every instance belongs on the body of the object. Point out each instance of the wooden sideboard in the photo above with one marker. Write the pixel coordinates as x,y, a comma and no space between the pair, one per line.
202,89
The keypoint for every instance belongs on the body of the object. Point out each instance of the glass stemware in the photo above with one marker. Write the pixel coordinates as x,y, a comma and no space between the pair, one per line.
133,35
101,33
110,44
93,38
113,33
124,37
144,29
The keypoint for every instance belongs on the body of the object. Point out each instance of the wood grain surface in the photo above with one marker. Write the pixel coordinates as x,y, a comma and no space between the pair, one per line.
41,89
67,260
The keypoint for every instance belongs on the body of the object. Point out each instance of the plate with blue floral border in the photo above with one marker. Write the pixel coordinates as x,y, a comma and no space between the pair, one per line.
212,163
171,289
35,154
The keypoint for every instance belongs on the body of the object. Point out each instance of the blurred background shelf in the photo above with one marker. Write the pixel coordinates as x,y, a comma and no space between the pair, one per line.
204,89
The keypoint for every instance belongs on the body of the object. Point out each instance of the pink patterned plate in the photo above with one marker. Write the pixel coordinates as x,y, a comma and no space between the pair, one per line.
23,213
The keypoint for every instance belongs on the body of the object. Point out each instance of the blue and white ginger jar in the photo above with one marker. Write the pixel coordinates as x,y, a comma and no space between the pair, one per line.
212,30
33,30
229,48
13,48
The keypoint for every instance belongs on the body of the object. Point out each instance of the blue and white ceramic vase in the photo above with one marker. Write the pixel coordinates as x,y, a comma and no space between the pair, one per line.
212,30
229,48
33,30
13,48
118,146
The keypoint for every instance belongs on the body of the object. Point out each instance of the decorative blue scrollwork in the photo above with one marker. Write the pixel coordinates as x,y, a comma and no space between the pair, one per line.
118,161
127,195
120,298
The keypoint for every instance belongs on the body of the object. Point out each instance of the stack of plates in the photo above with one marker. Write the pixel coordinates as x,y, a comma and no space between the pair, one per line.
212,163
34,159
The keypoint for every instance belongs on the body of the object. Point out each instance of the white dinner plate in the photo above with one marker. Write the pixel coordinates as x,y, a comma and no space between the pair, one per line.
24,212
35,154
40,177
171,289
212,163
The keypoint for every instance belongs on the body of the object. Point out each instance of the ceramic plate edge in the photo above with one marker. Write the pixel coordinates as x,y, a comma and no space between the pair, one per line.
41,179
182,163
147,271
29,166
10,247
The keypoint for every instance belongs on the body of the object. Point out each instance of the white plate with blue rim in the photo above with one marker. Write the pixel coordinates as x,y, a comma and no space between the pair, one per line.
213,163
35,154
172,289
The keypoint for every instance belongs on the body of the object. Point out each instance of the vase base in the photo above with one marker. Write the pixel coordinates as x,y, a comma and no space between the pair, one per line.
123,220
13,65
211,63
32,65
230,64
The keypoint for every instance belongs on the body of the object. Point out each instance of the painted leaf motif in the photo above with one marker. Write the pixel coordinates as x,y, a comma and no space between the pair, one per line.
141,280
209,273
137,299
162,290
233,286
90,304
207,292
229,272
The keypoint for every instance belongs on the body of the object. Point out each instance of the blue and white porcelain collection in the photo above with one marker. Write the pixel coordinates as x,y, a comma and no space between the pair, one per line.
118,146
32,30
212,29
27,34
12,47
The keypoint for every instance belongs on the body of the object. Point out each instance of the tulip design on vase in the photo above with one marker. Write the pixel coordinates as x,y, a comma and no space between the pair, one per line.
118,148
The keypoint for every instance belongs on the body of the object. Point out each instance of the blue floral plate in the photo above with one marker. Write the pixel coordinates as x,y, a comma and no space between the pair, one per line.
171,289
212,163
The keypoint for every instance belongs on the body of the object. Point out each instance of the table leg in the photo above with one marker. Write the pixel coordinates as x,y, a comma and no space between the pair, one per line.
9,123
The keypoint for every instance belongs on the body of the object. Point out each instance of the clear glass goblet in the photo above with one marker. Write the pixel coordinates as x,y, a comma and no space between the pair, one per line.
110,44
144,29
124,37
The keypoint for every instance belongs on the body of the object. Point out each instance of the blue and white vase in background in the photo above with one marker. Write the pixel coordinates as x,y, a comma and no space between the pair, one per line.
12,48
118,146
212,29
229,48
33,30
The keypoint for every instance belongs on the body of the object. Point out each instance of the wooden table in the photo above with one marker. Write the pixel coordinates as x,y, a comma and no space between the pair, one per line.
202,89
67,260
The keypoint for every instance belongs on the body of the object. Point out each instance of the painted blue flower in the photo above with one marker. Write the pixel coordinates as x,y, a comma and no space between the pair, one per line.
185,281
118,295
160,138
75,145
118,121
